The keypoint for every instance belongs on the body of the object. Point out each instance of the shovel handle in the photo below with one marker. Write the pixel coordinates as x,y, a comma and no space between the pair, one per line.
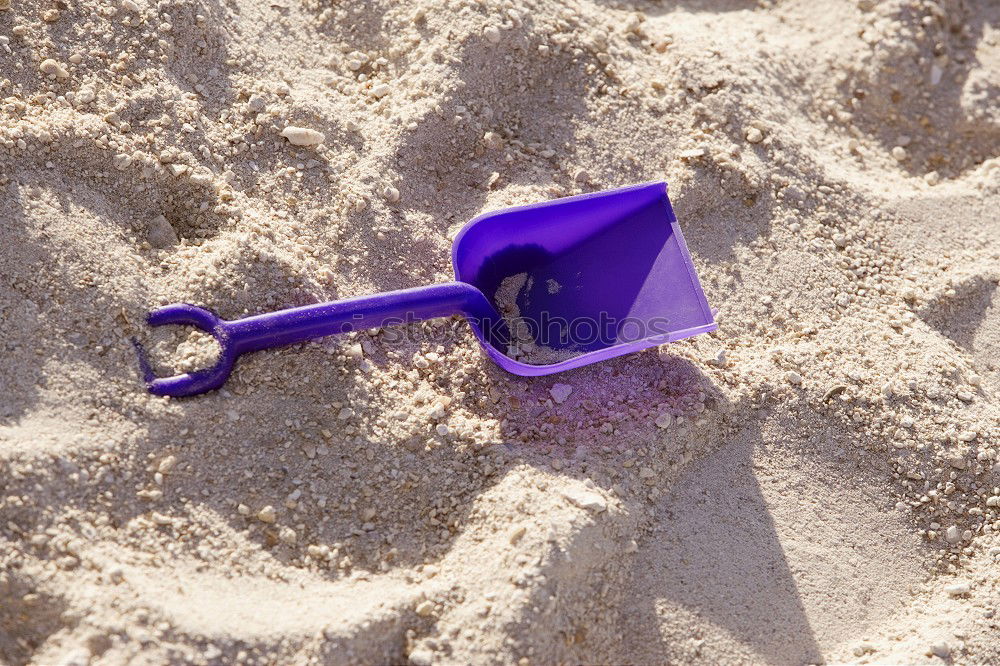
287,327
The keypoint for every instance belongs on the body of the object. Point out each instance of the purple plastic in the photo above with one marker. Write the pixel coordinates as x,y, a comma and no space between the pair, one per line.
614,260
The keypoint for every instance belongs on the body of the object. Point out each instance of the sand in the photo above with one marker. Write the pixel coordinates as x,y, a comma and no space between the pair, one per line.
816,481
523,345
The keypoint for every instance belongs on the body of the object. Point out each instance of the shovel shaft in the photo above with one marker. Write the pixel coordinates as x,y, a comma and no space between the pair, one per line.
287,327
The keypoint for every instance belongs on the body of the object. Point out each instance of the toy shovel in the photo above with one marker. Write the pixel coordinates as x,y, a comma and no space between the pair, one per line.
601,275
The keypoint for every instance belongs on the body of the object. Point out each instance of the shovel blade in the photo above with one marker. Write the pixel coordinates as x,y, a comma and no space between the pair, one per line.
604,274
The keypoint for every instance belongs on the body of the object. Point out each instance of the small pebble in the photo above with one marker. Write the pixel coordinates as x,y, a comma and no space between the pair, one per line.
167,465
421,657
953,534
267,514
560,392
958,589
691,153
161,233
899,153
517,533
942,650
754,135
585,499
793,377
492,34
936,74
303,136
50,66
391,194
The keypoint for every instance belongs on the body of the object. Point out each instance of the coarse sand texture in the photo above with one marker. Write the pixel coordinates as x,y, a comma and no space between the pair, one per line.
816,481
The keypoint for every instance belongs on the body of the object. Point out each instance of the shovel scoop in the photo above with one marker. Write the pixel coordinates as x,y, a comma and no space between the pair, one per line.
545,288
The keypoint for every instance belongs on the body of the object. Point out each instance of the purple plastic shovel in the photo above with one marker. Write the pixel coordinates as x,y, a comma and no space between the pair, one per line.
606,274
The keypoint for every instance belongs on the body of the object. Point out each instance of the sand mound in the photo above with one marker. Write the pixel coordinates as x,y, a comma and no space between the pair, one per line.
814,482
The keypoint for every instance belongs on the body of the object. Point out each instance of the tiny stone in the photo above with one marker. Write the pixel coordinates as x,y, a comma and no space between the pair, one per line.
932,178
517,533
942,650
130,6
793,377
391,194
421,657
492,34
585,500
952,534
287,535
381,90
425,608
167,465
267,514
160,519
243,509
560,392
50,66
663,420
958,589
303,136
899,153
161,233
754,135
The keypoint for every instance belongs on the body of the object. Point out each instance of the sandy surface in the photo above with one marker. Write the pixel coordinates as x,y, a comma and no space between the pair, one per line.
816,481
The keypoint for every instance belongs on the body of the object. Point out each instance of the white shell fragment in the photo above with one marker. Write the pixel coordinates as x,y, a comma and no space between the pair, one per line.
303,136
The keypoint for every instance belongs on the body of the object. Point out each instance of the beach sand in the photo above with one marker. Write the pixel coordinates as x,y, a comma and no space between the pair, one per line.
816,481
